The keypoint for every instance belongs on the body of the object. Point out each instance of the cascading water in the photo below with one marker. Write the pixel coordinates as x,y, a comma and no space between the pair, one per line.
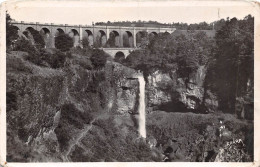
141,107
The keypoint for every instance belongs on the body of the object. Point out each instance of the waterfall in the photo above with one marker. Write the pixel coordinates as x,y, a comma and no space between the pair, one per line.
141,107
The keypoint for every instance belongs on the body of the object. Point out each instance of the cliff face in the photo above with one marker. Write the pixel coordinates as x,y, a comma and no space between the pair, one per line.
168,91
37,98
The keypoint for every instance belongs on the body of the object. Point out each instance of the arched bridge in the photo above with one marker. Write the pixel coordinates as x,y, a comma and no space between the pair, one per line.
118,52
104,36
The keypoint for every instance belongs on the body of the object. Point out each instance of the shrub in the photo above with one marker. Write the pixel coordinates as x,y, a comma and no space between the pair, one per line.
33,55
63,42
57,59
24,45
42,57
98,58
85,42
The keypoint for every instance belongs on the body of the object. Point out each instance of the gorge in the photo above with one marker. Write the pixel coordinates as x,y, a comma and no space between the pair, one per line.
168,101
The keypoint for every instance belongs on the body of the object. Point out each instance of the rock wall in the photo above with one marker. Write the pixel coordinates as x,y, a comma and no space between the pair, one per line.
168,91
37,94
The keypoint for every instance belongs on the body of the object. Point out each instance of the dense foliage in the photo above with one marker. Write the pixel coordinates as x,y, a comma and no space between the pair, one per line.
69,122
11,31
85,42
232,69
116,146
40,56
98,58
166,52
63,42
229,58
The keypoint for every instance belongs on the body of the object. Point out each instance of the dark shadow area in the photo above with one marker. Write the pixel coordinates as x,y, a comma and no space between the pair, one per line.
119,57
177,107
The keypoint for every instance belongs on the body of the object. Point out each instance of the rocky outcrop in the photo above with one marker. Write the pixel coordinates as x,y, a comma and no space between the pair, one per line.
126,89
37,94
167,89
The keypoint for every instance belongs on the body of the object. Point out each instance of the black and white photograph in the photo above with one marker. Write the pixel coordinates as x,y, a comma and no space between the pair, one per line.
134,81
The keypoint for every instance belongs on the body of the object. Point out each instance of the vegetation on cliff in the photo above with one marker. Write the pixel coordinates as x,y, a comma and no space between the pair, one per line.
65,104
228,57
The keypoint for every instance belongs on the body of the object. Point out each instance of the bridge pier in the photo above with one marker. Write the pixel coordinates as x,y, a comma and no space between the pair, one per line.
134,38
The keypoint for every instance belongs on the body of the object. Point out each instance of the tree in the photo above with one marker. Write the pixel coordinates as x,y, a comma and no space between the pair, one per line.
111,41
85,42
166,52
11,31
98,58
37,37
232,68
63,42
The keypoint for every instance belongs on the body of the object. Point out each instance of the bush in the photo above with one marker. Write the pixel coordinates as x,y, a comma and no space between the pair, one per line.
85,42
57,59
63,42
34,55
42,57
98,58
24,45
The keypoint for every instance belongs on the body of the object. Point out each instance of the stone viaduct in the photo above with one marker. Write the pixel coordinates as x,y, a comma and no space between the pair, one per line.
125,38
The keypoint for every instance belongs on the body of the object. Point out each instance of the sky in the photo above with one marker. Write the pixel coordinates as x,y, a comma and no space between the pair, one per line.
86,12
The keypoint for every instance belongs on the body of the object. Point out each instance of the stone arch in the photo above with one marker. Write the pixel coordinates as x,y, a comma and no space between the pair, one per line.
152,35
46,34
45,30
27,31
74,34
89,36
113,40
128,39
141,38
119,57
166,32
58,32
34,36
101,39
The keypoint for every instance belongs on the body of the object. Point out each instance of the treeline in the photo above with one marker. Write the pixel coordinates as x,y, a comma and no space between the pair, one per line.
179,26
138,23
229,58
